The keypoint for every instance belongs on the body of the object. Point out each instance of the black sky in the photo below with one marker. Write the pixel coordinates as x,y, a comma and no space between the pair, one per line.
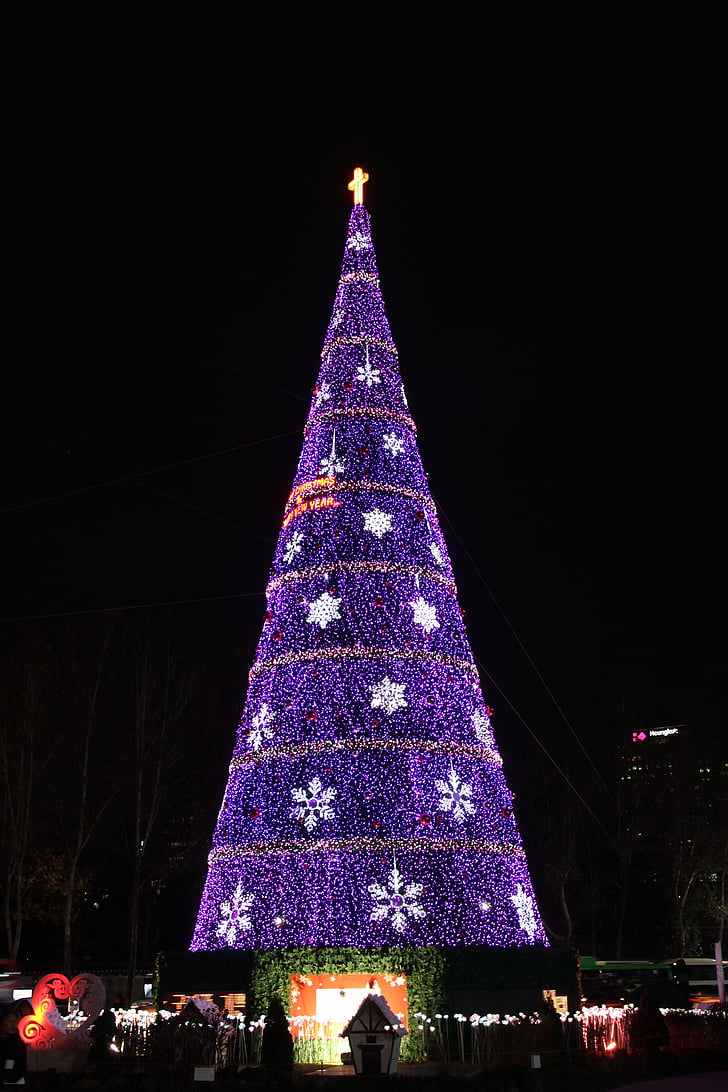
542,210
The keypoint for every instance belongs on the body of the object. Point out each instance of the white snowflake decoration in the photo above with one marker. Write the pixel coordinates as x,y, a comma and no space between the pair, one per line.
425,615
261,726
365,373
332,464
293,547
524,908
323,393
338,318
388,695
455,796
396,901
233,915
437,554
393,444
357,241
313,803
377,522
481,724
323,610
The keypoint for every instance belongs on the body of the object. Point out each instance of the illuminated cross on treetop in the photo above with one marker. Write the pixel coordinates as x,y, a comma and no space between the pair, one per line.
357,185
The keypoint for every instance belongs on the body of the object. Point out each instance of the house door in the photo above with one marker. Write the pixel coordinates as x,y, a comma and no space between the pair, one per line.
371,1059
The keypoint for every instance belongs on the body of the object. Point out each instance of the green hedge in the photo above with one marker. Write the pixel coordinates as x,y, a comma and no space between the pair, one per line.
424,967
431,972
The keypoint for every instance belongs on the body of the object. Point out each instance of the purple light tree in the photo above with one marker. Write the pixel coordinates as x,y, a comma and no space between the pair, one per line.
366,803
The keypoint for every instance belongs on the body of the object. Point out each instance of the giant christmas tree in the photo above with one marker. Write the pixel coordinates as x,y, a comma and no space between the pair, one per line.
366,803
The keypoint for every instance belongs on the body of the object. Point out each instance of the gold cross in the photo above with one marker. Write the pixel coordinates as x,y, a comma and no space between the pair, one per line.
357,185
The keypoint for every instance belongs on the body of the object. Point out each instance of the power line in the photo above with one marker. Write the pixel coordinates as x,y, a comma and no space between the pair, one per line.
132,606
545,750
149,488
133,477
530,660
102,309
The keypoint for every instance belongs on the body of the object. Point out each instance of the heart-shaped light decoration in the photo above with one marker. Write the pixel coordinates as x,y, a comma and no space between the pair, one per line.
41,1032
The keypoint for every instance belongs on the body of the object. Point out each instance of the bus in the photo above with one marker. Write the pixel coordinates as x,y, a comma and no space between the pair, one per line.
14,984
699,980
620,982
673,983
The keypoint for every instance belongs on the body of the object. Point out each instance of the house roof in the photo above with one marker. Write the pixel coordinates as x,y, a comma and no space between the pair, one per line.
376,1001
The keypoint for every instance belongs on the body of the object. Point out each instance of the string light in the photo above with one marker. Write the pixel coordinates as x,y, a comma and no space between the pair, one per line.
359,653
353,746
372,412
391,568
341,341
366,803
358,845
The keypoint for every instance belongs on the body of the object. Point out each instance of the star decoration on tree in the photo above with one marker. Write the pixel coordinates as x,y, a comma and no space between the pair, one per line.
261,726
293,547
234,918
388,695
323,610
323,393
313,803
455,797
365,373
425,615
357,241
524,908
396,901
377,522
393,444
332,464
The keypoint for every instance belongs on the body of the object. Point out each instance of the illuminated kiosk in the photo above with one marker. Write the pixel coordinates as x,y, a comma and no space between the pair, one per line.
366,806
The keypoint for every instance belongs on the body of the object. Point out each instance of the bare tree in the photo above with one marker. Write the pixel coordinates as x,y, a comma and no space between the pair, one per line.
86,780
26,749
162,685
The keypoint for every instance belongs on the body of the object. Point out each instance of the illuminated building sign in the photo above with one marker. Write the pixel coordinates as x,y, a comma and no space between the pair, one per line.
640,737
309,496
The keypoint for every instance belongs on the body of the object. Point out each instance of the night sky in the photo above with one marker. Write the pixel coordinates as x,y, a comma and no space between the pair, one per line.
543,220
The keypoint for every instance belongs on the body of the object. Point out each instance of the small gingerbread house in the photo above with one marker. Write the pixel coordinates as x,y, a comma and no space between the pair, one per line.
374,1035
